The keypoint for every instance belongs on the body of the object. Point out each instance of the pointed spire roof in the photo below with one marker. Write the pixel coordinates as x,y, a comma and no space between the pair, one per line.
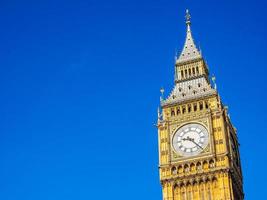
190,51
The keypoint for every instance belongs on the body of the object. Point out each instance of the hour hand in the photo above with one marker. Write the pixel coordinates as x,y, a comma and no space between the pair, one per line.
187,139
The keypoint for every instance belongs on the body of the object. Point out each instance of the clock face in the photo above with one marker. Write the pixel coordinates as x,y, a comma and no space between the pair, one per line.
190,139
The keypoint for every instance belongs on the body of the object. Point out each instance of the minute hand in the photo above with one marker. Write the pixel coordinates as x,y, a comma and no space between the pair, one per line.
192,140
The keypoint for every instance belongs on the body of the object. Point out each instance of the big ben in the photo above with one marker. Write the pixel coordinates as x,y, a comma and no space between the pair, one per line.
198,145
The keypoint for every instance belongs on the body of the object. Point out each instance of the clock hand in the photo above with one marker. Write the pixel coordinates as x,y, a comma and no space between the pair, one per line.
196,144
192,140
188,138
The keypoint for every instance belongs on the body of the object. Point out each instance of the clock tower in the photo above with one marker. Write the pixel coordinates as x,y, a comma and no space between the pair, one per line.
198,145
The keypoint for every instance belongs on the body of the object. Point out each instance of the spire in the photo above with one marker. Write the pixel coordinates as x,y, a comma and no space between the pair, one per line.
190,51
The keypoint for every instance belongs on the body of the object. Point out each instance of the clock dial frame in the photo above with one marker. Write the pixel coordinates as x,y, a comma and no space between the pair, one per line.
190,139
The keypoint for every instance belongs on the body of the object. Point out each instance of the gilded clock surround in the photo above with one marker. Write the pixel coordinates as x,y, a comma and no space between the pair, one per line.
190,139
206,150
215,173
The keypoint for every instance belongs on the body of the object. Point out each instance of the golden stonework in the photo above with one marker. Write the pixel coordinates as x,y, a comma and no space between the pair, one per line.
198,145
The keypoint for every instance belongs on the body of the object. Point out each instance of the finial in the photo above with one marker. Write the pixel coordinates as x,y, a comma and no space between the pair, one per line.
187,17
162,93
199,47
213,78
226,108
162,90
159,115
175,56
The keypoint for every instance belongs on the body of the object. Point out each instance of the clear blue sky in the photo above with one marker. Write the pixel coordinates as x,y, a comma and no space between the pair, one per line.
79,86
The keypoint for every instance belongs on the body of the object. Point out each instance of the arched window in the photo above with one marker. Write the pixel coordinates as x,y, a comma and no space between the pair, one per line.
211,164
174,170
183,195
172,112
189,108
195,107
200,106
199,167
206,105
178,111
186,168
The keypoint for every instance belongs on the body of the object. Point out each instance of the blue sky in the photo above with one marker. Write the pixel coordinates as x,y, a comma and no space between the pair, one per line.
79,85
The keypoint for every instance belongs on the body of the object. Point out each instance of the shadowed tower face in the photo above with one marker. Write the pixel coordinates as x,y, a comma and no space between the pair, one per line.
198,145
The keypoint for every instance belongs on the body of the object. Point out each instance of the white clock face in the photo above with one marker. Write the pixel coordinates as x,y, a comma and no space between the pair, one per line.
190,139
